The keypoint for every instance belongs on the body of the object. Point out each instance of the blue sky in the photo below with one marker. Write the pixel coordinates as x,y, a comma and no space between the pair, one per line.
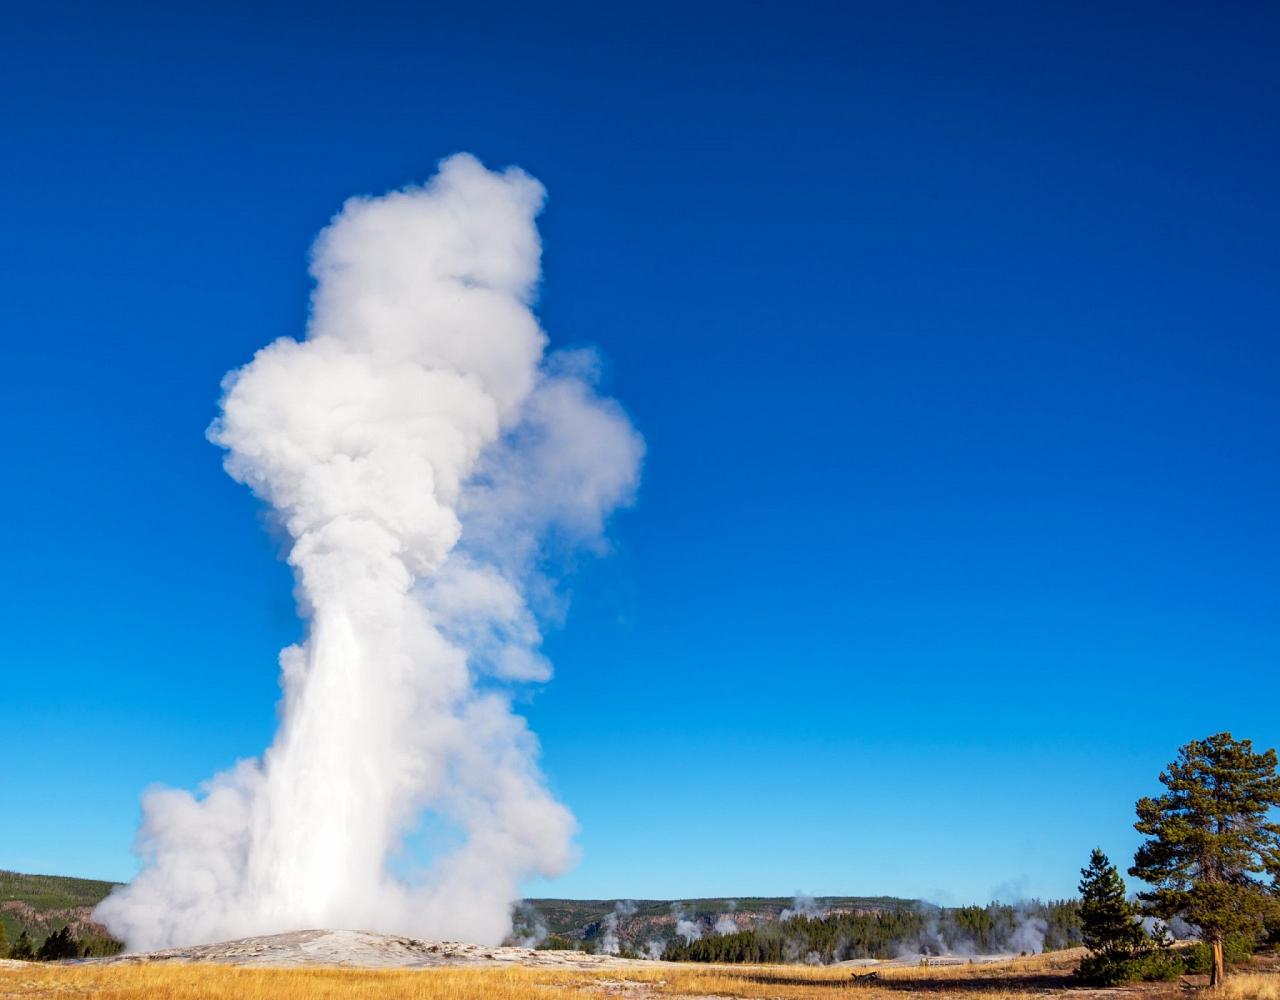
952,335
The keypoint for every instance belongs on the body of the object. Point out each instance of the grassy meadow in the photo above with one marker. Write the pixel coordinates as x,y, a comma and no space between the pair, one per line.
1018,979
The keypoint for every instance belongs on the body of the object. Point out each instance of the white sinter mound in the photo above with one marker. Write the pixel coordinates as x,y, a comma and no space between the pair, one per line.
364,949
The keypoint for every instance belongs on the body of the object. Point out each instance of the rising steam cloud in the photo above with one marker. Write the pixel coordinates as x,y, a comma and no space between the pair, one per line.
424,455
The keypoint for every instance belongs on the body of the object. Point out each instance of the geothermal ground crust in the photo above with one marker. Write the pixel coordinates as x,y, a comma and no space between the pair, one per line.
364,949
370,950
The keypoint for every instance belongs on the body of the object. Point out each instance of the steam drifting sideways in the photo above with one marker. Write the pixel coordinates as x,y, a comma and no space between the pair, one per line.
428,460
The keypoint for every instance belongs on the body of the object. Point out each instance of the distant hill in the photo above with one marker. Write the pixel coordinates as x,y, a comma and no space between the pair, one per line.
635,924
41,904
562,916
746,928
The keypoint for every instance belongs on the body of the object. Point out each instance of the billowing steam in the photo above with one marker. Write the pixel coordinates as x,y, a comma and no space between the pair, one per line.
610,944
726,923
425,457
687,926
1028,935
528,929
803,905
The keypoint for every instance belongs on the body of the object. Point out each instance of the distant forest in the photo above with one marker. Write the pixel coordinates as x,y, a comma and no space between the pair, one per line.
998,927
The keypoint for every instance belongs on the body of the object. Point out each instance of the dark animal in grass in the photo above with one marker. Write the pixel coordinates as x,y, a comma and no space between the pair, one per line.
866,979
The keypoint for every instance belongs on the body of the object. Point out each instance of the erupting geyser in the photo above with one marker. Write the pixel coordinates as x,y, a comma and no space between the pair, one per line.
418,448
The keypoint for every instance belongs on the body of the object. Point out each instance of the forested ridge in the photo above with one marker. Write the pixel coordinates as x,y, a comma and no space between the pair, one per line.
923,930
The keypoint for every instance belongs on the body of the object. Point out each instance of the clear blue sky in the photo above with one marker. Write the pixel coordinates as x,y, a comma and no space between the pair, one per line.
952,333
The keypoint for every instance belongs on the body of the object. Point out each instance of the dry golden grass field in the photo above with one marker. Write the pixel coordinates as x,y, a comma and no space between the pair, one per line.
1015,980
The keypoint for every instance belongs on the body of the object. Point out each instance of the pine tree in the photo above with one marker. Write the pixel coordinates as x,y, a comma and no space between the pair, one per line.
45,953
58,945
1108,922
22,948
1209,837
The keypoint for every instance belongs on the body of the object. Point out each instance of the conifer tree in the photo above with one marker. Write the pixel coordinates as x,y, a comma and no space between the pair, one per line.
1210,837
1108,922
58,945
22,948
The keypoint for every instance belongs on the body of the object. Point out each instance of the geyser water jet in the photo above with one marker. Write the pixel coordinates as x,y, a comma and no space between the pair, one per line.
417,446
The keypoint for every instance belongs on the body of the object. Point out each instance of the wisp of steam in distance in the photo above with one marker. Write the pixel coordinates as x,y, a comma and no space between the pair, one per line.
425,456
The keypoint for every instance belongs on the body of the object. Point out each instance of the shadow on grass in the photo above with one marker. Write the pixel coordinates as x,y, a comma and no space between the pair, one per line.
1027,982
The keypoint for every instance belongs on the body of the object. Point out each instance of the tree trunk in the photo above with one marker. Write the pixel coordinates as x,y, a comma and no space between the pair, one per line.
1218,972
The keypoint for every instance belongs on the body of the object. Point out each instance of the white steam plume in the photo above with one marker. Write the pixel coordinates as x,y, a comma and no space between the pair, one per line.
528,928
727,923
610,944
687,926
418,448
803,905
688,929
1028,934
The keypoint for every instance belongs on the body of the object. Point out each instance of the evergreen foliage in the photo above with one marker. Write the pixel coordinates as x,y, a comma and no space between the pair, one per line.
1210,837
1120,951
1108,922
52,901
1236,948
95,945
558,942
922,931
23,949
58,945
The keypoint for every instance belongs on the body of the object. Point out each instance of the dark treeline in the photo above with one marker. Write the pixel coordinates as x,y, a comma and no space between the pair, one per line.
998,927
59,945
